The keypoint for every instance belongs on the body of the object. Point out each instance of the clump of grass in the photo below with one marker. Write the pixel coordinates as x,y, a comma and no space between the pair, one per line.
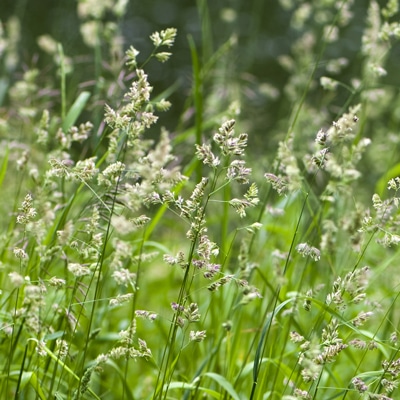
129,273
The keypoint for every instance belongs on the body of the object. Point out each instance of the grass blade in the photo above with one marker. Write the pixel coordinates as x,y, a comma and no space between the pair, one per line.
75,110
3,168
227,386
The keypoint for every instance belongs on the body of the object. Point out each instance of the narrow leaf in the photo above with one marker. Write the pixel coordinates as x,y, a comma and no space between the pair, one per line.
75,110
224,383
3,168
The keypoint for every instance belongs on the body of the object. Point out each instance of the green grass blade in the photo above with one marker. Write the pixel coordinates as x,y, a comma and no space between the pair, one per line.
381,186
261,343
56,359
33,380
75,111
63,79
191,387
226,385
4,165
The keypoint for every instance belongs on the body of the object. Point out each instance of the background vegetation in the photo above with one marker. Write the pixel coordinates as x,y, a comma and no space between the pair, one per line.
150,249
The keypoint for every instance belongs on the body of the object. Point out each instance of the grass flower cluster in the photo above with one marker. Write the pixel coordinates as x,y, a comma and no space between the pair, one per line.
136,263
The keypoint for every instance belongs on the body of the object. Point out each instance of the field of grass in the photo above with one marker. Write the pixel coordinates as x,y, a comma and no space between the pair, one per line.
202,262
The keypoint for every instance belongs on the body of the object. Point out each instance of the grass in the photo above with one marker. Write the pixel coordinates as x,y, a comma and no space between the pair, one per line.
181,266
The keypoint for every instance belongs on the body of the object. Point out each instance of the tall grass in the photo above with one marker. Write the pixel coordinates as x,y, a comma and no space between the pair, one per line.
182,266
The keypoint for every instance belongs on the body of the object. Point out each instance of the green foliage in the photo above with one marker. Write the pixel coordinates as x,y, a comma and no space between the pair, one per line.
137,264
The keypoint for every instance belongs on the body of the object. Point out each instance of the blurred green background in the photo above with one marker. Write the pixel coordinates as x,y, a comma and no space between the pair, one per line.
250,70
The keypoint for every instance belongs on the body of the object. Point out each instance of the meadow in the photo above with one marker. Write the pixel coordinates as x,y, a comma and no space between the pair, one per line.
242,244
